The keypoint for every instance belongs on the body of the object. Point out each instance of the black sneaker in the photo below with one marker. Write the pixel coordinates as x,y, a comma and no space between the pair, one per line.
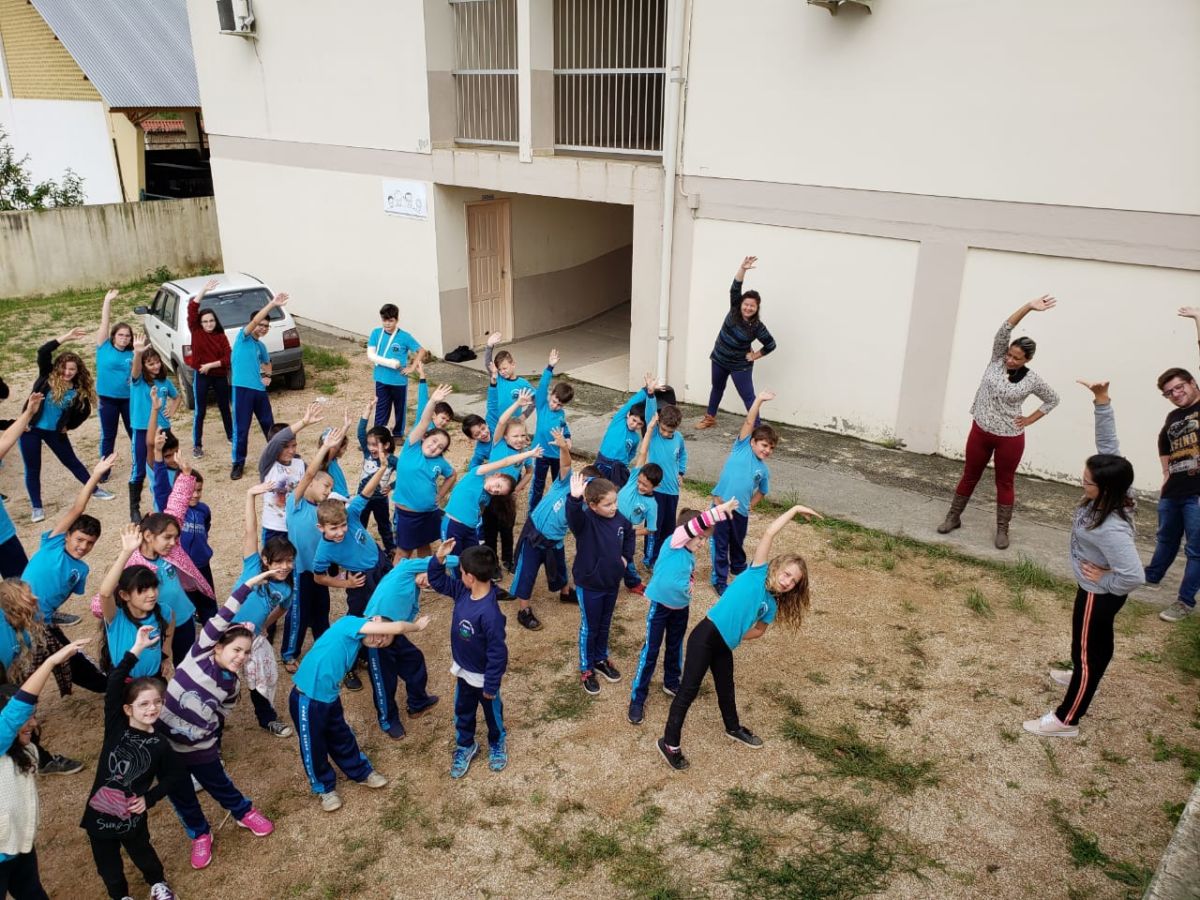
589,682
528,619
567,596
236,471
608,670
636,714
502,595
60,765
60,618
675,758
510,567
746,736
352,681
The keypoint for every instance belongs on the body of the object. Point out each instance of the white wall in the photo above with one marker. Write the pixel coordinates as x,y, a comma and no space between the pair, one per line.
1075,102
323,237
1112,321
349,73
62,134
838,307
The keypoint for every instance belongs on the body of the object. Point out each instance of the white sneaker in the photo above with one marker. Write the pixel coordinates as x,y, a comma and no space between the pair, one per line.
330,801
1061,676
1049,726
38,515
375,780
1176,612
161,891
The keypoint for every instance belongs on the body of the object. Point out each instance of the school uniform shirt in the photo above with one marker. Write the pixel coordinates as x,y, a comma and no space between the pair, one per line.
507,392
121,633
547,419
249,356
264,598
503,450
113,368
52,410
479,455
12,644
620,443
53,574
340,488
7,529
329,659
743,475
395,346
417,476
397,596
745,603
600,544
139,402
638,508
671,583
285,477
302,531
671,456
467,498
478,644
356,552
172,597
550,515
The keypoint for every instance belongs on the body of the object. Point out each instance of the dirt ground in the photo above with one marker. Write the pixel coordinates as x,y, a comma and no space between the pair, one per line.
894,763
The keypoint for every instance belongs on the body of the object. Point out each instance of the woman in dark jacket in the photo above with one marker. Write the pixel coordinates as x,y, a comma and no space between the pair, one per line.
210,361
733,353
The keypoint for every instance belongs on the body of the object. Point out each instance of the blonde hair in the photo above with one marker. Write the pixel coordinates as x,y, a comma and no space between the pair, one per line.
20,609
59,384
791,605
331,512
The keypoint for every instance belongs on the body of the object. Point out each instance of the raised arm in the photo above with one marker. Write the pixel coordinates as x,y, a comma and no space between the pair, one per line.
106,316
762,553
515,460
20,425
417,434
1040,304
694,528
372,485
250,518
643,451
524,399
1106,423
153,444
139,347
332,440
735,290
563,443
279,300
753,413
131,539
114,696
542,395
20,709
79,504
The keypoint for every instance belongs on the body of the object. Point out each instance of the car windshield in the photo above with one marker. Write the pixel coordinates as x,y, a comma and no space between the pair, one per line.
235,308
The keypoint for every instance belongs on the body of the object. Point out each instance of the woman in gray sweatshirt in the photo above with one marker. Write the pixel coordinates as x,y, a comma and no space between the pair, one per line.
1107,568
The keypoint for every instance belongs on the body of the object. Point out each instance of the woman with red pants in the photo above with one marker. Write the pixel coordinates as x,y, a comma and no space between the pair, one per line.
999,426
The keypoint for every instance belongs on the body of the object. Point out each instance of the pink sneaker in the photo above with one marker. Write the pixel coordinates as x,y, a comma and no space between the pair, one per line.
259,825
202,851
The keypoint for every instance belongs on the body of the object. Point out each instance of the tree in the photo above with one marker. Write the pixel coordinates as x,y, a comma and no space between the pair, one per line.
18,190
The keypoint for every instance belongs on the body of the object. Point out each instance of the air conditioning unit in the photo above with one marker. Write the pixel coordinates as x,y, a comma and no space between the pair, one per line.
236,17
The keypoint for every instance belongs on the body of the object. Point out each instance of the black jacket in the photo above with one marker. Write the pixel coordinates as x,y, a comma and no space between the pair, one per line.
81,407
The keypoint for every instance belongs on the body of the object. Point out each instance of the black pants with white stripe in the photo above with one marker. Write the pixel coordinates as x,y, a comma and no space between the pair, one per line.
1091,650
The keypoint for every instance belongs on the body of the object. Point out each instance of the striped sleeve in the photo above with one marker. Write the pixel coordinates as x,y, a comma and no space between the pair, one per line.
694,528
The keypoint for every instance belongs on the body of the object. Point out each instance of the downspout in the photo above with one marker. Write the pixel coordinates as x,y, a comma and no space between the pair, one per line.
671,143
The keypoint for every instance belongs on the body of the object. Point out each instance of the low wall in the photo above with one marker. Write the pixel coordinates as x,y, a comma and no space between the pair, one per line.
53,250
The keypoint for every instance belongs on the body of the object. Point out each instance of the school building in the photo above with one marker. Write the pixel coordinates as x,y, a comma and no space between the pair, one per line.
907,171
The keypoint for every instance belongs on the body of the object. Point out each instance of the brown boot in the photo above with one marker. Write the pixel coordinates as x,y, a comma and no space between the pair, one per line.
1003,517
953,517
707,422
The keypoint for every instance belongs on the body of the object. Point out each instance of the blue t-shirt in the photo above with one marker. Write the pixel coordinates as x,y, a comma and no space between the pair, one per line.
112,371
7,529
248,357
620,443
52,411
671,456
139,402
506,394
502,450
743,475
416,484
357,551
11,643
264,599
547,419
329,659
550,515
397,346
397,596
744,604
172,598
671,583
640,509
302,531
334,468
121,632
466,500
53,574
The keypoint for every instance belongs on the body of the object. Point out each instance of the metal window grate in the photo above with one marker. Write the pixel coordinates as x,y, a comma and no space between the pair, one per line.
609,75
485,73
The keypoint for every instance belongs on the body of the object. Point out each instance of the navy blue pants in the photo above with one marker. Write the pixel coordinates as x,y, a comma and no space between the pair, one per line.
400,660
181,642
113,410
537,488
743,381
533,552
668,506
325,734
310,611
356,598
60,445
249,404
387,398
12,558
661,621
216,781
137,466
595,619
220,388
615,471
19,877
377,506
467,700
727,546
463,535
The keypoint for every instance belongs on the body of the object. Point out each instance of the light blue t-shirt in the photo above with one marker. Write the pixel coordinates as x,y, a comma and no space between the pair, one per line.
397,596
329,659
302,531
264,599
112,371
139,402
53,574
7,529
638,508
619,442
550,515
671,456
52,411
416,483
743,475
547,419
172,598
11,643
121,632
671,583
357,551
334,468
744,604
502,450
466,500
397,346
248,357
502,395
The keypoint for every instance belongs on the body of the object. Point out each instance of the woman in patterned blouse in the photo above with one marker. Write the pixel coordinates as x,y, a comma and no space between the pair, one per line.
999,425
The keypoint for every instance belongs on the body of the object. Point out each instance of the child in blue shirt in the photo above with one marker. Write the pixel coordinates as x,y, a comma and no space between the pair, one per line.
340,489
315,703
625,432
129,600
417,494
745,478
670,594
114,360
12,553
370,442
669,453
443,412
162,450
489,483
388,348
503,370
250,374
510,436
635,501
549,402
148,379
194,531
769,588
479,651
604,544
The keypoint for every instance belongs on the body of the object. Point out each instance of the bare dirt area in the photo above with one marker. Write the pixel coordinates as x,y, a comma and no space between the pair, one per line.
894,764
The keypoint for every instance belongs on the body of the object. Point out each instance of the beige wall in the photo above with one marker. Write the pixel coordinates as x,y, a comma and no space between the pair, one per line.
130,143
1076,102
39,66
56,249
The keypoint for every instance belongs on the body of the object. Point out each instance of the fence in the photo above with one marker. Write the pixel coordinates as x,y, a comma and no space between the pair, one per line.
76,247
485,71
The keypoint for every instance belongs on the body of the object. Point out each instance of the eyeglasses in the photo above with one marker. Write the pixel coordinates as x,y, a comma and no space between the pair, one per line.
1172,391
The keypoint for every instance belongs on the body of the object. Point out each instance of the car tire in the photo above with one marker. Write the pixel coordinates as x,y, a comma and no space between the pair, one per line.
187,382
297,380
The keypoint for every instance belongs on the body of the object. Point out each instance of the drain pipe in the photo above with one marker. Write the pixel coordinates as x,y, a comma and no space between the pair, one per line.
672,137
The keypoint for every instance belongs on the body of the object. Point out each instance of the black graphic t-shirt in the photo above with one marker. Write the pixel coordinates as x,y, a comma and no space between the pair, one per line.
1179,441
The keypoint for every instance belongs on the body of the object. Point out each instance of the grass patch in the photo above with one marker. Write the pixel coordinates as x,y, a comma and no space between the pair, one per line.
1186,756
978,604
1085,851
566,701
320,359
1183,646
1051,759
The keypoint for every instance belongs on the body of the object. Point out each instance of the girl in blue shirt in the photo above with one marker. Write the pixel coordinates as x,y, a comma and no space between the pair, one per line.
483,484
770,588
114,361
128,600
416,492
20,625
12,554
147,375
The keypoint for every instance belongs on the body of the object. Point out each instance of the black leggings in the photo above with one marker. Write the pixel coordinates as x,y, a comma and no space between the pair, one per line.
1091,650
107,853
19,878
494,529
706,649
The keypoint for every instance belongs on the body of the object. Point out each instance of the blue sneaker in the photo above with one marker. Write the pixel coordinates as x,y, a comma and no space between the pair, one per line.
462,760
396,731
498,757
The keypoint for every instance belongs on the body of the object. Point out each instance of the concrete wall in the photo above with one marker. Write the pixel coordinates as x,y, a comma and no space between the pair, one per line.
58,135
57,249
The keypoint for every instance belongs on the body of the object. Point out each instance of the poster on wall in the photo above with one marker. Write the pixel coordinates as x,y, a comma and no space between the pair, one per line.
405,198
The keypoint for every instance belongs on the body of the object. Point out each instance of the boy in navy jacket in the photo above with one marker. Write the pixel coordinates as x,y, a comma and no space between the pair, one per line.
479,650
604,545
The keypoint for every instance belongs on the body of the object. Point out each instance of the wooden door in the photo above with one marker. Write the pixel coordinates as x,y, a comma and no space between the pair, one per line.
489,270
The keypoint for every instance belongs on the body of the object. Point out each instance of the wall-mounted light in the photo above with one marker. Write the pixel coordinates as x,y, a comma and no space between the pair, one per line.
834,5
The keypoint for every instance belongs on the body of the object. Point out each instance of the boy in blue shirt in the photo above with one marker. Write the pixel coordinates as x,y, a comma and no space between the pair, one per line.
388,348
250,375
370,442
636,502
745,478
625,432
668,452
315,703
549,402
424,479
443,412
479,651
503,372
510,437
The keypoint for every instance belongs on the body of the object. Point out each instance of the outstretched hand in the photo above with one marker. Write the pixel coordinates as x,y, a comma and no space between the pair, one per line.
1099,389
749,263
333,438
131,538
799,510
105,465
147,636
1190,312
578,482
493,339
313,414
1043,303
445,549
553,358
112,295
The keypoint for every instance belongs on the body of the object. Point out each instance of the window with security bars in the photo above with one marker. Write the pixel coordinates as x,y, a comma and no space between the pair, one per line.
485,72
